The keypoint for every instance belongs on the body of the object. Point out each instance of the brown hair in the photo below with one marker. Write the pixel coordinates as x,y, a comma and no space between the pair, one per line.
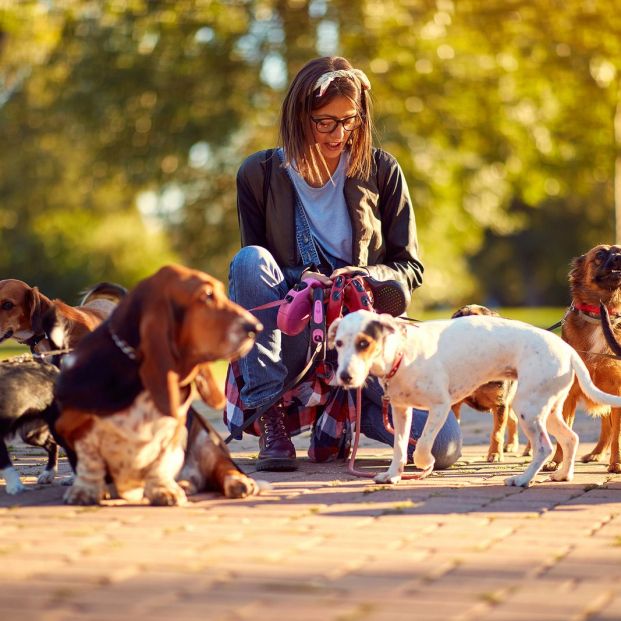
302,98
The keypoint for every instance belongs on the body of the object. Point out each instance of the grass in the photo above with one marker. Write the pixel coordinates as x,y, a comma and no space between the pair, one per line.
541,316
10,349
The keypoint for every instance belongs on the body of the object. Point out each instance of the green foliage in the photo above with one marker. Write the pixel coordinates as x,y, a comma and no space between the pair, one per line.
123,125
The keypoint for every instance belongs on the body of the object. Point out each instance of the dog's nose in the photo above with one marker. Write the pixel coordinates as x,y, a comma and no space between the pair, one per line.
252,328
345,377
614,261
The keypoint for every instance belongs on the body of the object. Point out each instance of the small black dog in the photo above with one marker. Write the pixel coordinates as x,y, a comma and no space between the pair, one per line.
26,406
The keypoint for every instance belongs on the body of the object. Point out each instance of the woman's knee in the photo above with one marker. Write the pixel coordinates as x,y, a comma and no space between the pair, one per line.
447,446
250,258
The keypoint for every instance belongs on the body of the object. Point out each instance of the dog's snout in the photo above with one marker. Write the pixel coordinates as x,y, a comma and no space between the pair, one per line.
345,377
614,261
252,327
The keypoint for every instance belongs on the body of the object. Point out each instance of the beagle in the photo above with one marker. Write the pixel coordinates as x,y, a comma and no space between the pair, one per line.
26,386
437,363
33,319
126,389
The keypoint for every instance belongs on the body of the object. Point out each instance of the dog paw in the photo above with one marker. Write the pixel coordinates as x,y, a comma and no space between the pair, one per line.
239,486
551,466
590,457
527,452
423,460
519,480
166,495
82,495
493,458
615,468
46,477
188,486
68,481
512,447
387,477
15,487
561,476
13,482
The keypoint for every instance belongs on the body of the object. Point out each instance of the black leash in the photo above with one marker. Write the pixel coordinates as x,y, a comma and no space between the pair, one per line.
606,327
317,328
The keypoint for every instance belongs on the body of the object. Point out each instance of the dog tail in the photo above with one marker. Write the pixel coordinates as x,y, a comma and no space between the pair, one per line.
587,385
106,290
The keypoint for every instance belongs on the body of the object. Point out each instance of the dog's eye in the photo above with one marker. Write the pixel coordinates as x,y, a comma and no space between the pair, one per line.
363,345
600,255
338,343
7,305
207,295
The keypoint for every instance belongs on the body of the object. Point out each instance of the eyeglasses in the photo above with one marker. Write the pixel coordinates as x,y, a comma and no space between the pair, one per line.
328,124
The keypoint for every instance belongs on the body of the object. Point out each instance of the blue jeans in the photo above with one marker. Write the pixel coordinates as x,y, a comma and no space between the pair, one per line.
254,279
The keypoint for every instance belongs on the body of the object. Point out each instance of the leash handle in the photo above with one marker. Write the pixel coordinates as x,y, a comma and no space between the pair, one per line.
318,321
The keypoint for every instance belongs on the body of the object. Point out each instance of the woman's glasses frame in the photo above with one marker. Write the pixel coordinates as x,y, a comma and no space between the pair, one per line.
327,124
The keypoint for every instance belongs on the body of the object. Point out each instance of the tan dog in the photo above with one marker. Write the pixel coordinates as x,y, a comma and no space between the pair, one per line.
494,397
33,319
594,277
126,389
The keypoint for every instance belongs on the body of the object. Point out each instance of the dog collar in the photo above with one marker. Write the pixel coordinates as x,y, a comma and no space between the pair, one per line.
124,346
592,310
395,366
33,341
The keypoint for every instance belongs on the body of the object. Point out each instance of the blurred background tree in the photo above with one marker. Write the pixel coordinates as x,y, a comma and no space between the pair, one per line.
123,123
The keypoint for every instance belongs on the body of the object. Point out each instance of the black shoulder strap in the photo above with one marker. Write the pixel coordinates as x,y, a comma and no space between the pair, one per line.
267,174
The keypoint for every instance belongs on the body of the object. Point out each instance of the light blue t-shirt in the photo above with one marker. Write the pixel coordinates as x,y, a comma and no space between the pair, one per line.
326,211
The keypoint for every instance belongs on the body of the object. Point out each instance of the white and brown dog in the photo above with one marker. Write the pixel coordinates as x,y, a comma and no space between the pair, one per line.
437,363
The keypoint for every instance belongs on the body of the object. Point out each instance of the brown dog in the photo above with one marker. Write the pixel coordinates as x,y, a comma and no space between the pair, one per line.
33,319
494,397
595,277
126,389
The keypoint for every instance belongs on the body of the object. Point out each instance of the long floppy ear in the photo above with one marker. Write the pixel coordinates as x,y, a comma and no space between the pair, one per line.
35,307
209,390
576,269
332,332
158,368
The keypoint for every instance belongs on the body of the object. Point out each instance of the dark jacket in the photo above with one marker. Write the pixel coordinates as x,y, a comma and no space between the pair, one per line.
384,230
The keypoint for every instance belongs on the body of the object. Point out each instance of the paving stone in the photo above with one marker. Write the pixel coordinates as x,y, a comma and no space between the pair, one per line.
459,546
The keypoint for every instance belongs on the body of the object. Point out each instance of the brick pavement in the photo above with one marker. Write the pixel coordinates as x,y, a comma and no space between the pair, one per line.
324,545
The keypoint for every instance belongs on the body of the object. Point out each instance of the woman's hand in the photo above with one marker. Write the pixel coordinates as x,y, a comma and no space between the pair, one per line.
324,280
349,270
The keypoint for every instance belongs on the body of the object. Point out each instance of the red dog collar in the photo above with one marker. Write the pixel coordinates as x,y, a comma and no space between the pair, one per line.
395,366
592,309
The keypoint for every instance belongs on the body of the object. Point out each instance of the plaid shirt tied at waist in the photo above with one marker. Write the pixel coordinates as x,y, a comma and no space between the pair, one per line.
328,411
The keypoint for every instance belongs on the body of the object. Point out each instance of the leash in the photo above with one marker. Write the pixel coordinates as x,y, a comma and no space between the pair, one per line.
351,464
592,314
212,434
385,405
36,356
318,337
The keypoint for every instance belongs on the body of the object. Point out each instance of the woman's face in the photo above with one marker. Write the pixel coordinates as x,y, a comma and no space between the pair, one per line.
332,144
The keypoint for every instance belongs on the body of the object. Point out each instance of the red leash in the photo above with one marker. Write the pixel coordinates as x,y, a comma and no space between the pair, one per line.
352,458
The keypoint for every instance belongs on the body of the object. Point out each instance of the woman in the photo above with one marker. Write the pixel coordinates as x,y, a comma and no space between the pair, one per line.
324,204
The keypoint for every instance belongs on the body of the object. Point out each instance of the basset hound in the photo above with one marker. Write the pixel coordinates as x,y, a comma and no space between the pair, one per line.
125,391
33,319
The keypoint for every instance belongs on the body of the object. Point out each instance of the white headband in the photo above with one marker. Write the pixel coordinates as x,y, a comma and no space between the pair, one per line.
325,80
